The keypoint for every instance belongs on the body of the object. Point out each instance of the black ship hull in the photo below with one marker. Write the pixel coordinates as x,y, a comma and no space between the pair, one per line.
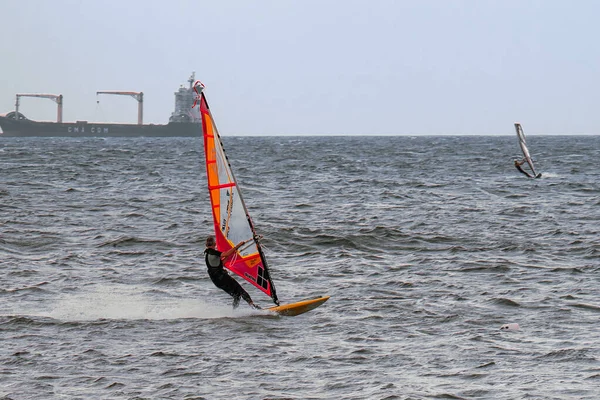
28,128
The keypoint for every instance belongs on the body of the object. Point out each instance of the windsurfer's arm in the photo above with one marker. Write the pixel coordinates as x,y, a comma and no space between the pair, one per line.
229,252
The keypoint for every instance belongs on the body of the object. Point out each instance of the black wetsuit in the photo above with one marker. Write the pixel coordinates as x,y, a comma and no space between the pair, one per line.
222,280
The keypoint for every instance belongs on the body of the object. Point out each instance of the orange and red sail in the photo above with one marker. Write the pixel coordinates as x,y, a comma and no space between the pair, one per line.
232,223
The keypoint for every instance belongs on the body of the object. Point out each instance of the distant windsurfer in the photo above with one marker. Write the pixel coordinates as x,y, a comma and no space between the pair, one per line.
518,166
214,262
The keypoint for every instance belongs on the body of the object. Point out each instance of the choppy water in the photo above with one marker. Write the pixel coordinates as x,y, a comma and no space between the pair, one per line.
427,245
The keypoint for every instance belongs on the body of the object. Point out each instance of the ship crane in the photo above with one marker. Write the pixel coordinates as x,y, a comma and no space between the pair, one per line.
58,98
139,96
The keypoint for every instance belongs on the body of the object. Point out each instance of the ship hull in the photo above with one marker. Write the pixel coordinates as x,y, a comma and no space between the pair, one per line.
28,128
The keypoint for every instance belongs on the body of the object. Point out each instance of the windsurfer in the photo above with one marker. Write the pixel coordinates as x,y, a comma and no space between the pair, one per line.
221,279
518,166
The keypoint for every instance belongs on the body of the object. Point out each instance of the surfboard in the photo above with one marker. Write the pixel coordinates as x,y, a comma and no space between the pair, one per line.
231,219
300,307
525,150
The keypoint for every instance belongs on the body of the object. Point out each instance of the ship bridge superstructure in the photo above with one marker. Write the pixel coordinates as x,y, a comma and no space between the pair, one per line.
184,102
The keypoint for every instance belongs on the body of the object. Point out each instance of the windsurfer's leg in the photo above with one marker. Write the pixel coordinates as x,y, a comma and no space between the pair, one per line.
228,285
240,292
235,290
248,299
521,170
236,300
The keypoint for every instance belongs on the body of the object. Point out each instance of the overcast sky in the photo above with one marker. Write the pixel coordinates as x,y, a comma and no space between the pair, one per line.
313,66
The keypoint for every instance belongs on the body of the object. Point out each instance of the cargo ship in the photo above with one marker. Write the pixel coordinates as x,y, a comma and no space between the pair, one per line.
184,121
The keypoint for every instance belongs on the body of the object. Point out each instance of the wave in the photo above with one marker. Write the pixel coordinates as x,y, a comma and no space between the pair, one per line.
174,281
33,288
130,241
569,355
506,302
590,307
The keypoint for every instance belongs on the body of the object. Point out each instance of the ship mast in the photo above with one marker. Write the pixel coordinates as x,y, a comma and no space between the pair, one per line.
58,98
139,96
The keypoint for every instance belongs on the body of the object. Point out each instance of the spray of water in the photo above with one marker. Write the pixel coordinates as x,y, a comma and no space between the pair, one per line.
131,303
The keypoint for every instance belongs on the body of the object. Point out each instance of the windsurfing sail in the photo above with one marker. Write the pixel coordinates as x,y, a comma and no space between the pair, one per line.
524,149
232,222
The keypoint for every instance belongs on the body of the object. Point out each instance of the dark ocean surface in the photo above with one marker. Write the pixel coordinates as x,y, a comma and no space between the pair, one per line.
426,245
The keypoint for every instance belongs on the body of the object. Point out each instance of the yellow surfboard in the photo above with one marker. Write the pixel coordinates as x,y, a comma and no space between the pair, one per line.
300,307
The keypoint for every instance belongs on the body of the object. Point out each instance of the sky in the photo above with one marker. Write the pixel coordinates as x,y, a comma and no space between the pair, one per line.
313,67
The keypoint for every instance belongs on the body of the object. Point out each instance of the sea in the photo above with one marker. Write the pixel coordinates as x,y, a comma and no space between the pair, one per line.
451,275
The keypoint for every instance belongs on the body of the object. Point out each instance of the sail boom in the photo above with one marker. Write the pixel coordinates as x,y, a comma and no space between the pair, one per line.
224,185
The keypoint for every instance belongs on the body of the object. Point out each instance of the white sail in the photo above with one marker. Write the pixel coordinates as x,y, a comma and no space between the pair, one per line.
524,149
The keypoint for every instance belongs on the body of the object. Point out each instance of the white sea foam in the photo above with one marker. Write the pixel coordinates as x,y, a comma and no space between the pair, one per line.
131,303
